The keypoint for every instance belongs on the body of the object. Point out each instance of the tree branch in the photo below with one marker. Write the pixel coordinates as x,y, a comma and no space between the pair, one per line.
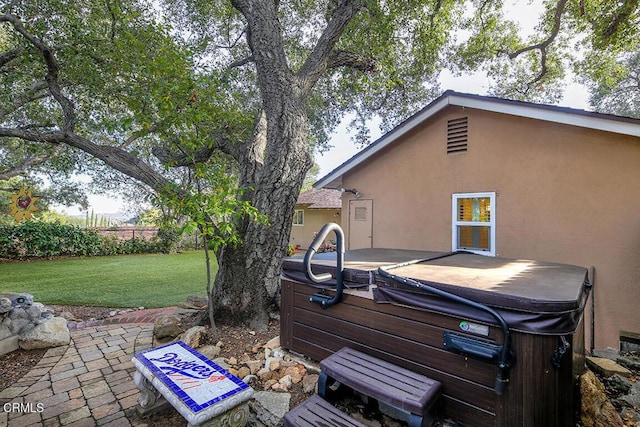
317,62
139,134
623,14
29,163
343,58
544,45
35,93
241,62
178,158
51,77
9,56
118,159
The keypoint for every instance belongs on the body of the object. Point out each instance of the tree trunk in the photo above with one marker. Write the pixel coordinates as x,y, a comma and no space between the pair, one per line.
247,282
248,279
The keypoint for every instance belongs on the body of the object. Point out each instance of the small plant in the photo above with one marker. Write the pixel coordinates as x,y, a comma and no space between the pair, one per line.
291,250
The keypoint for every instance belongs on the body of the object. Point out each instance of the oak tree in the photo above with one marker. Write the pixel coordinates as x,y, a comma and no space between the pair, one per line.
255,85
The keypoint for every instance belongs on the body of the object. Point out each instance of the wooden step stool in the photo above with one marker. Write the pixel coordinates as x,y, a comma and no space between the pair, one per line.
410,395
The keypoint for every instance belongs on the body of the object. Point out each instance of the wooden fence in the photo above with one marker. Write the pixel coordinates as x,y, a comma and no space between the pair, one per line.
126,233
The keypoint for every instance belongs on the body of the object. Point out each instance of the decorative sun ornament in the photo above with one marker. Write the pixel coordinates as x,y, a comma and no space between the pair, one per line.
22,205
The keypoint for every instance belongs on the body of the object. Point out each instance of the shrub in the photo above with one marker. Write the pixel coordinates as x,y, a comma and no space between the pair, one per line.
41,239
168,239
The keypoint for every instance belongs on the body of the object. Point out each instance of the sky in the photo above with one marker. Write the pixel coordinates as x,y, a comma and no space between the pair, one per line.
576,96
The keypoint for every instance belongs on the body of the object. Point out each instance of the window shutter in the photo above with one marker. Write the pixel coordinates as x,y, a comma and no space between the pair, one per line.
457,135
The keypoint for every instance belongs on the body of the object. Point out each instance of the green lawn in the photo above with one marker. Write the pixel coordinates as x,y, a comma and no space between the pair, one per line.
155,280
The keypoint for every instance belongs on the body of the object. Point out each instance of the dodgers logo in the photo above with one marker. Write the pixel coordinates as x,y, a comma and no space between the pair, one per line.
187,368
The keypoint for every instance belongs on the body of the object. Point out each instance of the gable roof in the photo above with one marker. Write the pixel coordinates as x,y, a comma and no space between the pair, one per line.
550,113
321,199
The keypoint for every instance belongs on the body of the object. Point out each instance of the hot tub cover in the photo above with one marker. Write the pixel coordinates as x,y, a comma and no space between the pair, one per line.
532,296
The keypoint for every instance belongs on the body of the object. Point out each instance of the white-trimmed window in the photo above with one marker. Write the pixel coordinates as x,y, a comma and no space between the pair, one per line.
298,217
474,223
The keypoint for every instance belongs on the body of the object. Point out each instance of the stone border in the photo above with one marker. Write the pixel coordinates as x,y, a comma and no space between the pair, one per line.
141,316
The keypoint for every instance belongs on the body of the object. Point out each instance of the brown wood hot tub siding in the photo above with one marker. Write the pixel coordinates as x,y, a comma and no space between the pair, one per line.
537,395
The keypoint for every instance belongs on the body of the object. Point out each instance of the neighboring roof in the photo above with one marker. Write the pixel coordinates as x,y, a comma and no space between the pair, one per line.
550,113
320,199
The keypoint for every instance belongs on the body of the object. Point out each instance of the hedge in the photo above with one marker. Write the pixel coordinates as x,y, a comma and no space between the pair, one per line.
43,239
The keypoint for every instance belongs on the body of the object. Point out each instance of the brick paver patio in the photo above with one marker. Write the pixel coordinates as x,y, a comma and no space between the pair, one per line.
87,383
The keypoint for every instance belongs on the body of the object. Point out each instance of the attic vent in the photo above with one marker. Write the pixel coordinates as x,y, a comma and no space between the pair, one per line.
457,135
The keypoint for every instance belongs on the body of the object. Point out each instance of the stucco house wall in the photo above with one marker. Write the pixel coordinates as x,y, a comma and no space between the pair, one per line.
564,194
314,219
319,207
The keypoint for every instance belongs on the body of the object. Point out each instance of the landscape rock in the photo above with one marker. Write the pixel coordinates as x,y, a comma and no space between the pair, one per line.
632,398
243,372
629,362
278,352
619,383
20,325
607,367
309,383
250,379
287,363
296,373
68,316
286,381
45,312
197,300
195,336
222,362
210,351
191,317
18,313
167,326
254,365
274,364
273,343
50,333
597,411
5,305
265,374
22,300
280,387
270,407
38,311
606,353
311,367
5,332
269,383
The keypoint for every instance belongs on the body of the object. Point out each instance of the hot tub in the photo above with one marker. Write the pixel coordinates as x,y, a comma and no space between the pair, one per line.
446,339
